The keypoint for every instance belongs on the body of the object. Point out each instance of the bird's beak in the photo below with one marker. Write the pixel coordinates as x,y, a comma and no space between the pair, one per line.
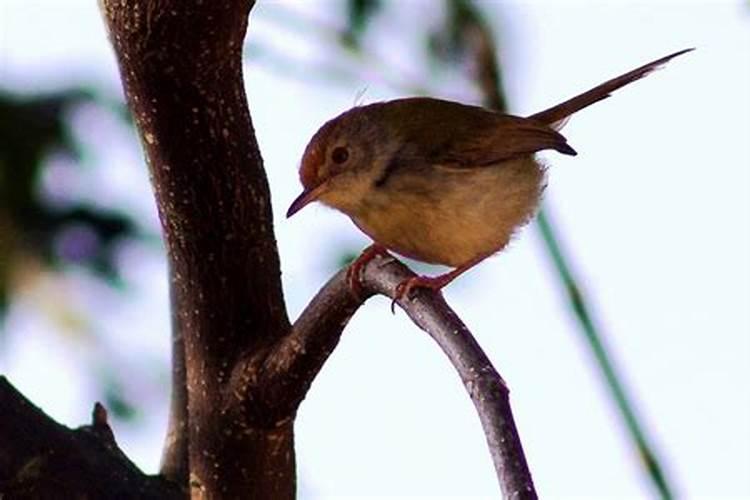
307,196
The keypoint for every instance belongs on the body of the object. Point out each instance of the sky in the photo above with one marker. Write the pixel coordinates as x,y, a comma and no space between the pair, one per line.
655,212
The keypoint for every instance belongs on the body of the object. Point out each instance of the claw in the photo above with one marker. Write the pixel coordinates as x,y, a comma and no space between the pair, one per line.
436,283
354,271
404,289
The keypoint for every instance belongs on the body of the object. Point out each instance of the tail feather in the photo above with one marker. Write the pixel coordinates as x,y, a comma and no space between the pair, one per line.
557,116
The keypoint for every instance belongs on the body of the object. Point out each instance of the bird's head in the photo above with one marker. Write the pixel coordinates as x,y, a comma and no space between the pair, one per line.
342,160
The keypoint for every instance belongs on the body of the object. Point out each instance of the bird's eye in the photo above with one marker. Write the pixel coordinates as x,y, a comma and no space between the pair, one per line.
340,155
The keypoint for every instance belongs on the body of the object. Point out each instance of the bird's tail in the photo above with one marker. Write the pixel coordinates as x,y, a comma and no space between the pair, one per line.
557,116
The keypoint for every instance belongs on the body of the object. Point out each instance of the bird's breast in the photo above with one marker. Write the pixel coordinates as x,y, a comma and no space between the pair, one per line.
452,216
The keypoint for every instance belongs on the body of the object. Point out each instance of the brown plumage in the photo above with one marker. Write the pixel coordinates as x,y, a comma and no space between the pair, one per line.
439,181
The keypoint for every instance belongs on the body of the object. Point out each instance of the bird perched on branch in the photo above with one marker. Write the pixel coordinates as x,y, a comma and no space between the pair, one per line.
438,181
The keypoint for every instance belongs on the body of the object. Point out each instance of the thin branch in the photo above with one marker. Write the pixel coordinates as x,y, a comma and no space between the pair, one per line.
295,360
485,386
320,325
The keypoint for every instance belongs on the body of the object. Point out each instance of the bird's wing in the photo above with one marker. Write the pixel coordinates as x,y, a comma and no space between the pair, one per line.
463,136
507,138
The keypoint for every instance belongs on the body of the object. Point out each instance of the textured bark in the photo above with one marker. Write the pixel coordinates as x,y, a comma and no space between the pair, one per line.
429,311
40,458
181,65
174,461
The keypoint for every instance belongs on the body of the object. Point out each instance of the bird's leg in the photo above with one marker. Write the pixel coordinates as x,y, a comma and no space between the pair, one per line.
353,273
434,282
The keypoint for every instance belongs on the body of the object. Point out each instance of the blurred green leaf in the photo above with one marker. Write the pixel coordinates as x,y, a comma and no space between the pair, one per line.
117,405
359,14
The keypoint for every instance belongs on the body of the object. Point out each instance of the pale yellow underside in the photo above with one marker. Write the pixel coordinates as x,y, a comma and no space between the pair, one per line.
457,216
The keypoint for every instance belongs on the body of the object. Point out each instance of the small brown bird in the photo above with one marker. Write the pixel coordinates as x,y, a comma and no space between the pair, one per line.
438,181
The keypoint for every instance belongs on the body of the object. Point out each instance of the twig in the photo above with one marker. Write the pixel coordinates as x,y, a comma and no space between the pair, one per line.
334,305
485,386
291,364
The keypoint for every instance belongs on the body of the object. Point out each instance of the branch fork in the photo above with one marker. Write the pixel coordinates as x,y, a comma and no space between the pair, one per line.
240,369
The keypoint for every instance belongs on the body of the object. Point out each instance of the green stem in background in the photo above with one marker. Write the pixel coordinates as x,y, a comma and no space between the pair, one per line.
595,341
468,19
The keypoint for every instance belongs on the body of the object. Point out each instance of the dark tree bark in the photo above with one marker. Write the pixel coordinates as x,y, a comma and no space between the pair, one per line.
40,458
181,64
240,369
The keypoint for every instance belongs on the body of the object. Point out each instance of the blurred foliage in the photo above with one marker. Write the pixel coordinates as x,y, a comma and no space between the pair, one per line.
465,40
120,406
359,13
447,43
31,228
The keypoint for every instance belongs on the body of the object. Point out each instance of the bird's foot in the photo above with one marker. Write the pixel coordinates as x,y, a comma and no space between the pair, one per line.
404,289
354,272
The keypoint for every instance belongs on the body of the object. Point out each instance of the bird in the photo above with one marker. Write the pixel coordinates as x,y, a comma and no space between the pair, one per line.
438,181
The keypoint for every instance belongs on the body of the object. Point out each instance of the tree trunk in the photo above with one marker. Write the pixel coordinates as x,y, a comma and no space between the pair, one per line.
181,64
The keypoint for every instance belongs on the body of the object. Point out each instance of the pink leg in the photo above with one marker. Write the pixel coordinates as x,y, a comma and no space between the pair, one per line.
355,268
434,283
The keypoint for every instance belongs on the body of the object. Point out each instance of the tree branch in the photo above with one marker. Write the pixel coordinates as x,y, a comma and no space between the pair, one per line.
40,458
319,326
485,386
295,360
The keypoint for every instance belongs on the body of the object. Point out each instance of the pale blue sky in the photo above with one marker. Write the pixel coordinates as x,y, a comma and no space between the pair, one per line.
655,210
